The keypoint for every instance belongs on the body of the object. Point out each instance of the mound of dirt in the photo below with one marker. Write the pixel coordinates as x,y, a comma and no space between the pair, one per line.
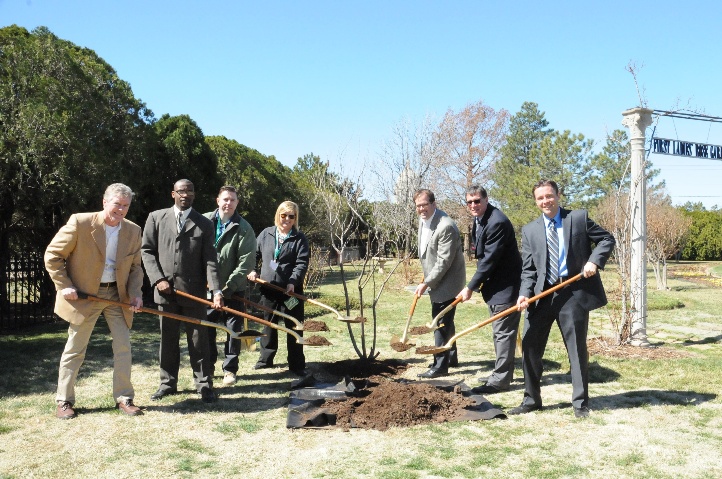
400,347
395,404
418,330
315,326
316,341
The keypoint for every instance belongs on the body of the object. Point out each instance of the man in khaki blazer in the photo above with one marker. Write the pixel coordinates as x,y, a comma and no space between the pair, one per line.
442,260
97,254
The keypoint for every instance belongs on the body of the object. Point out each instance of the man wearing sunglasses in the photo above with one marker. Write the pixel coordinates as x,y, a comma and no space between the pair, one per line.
498,277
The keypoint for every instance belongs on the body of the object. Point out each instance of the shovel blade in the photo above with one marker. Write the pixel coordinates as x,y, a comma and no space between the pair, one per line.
432,349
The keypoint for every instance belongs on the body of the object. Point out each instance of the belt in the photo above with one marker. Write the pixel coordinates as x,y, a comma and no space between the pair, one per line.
559,280
107,285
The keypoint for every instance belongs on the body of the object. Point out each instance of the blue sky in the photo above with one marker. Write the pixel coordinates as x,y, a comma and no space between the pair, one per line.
334,77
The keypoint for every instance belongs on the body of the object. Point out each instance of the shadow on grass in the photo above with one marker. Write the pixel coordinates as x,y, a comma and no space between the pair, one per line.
707,340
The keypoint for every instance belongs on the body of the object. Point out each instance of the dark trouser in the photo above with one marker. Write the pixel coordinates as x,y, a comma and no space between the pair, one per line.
505,332
269,343
231,347
573,322
197,337
442,335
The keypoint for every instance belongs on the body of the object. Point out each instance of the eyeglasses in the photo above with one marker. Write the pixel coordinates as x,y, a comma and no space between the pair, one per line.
290,217
473,202
185,192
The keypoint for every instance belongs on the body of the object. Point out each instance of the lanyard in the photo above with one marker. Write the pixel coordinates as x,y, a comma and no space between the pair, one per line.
280,238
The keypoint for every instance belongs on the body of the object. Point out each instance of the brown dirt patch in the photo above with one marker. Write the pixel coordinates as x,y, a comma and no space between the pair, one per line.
401,347
315,326
394,404
316,341
426,349
417,330
603,347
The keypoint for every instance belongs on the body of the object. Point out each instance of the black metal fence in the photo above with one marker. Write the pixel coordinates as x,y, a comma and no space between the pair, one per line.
27,294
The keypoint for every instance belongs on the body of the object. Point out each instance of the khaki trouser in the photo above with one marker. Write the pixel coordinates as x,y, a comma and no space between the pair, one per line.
78,338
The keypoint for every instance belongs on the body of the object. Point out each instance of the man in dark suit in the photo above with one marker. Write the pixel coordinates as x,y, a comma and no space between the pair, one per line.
498,271
178,252
555,246
442,260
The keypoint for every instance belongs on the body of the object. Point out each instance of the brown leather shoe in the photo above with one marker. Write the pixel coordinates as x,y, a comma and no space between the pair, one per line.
129,408
65,410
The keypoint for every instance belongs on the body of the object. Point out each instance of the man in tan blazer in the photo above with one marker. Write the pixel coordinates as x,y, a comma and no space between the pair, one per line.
442,260
97,254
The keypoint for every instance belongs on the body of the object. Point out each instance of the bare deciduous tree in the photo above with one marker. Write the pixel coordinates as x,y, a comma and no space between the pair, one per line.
666,229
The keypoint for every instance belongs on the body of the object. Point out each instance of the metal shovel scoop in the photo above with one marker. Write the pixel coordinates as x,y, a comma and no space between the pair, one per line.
434,324
452,340
179,317
339,316
399,344
299,339
298,324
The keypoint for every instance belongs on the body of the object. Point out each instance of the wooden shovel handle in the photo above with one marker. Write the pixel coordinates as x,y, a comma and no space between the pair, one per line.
299,339
514,308
297,295
179,317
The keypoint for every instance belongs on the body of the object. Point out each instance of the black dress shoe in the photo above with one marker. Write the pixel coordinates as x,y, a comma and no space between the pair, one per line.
260,365
161,393
581,412
523,409
433,373
300,372
208,395
487,388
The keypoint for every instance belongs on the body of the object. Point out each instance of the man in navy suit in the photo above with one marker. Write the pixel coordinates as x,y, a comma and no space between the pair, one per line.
497,276
178,252
555,246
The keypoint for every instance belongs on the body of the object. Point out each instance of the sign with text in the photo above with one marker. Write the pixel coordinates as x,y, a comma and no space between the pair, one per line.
664,146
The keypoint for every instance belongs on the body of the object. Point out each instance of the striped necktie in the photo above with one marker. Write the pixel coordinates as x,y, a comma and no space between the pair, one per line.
180,222
553,256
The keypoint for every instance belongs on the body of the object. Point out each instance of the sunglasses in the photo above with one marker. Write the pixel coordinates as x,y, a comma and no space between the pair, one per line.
290,217
474,202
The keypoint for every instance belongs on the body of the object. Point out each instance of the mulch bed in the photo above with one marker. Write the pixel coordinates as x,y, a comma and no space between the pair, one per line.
604,347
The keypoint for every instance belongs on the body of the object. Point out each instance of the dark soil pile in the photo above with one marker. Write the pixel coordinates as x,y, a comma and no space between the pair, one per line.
315,326
316,341
395,404
417,330
401,347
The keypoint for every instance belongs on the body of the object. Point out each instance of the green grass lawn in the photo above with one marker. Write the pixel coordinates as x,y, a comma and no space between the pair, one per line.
651,418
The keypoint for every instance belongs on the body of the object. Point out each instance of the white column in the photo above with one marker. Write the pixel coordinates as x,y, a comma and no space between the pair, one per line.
637,120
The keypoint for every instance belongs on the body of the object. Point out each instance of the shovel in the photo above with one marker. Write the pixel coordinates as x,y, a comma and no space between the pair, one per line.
450,342
403,339
179,317
299,339
339,316
435,323
298,324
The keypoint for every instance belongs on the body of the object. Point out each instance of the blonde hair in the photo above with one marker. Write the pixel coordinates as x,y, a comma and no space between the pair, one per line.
286,207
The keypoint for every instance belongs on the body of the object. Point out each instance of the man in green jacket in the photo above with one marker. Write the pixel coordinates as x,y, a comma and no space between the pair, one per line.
235,244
